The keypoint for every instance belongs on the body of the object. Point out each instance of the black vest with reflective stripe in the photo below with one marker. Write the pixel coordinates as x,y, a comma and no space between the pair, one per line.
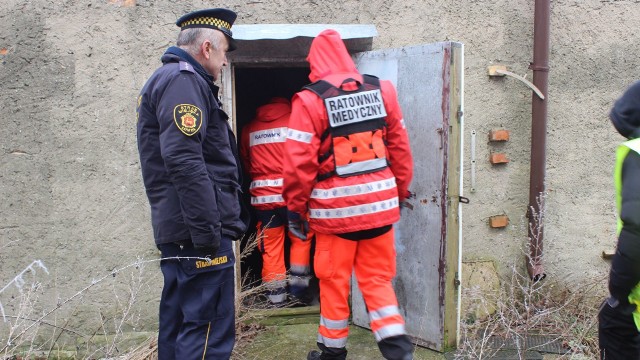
356,126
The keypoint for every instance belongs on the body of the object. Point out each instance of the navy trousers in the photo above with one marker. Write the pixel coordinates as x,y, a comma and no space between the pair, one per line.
197,309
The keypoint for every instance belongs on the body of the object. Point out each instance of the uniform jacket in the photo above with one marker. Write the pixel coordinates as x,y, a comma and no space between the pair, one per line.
625,267
342,204
625,270
262,148
187,155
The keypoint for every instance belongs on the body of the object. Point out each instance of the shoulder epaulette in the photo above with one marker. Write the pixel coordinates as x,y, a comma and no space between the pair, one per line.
185,66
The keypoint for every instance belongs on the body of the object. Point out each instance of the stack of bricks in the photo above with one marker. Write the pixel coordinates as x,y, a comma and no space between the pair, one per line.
498,136
497,158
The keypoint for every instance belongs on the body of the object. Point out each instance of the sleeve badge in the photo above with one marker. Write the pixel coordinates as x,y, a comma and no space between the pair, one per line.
138,107
188,118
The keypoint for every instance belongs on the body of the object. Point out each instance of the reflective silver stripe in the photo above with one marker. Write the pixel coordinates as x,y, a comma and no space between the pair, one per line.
277,298
357,210
384,312
402,123
301,136
633,145
343,191
299,269
333,343
361,166
266,183
268,136
275,285
334,324
299,280
266,199
389,331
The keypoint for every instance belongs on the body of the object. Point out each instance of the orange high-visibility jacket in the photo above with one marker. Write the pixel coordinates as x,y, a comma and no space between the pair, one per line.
342,204
261,149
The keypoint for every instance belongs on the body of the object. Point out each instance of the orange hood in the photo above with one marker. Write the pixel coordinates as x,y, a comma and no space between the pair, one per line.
329,59
275,109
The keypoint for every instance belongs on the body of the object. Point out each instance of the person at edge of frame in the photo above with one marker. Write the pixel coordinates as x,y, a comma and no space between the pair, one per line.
192,176
619,316
347,168
261,150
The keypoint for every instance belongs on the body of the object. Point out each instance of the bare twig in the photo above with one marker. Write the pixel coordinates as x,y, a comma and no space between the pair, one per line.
65,329
527,307
18,280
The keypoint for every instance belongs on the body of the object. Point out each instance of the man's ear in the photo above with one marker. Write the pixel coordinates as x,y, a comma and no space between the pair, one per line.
205,48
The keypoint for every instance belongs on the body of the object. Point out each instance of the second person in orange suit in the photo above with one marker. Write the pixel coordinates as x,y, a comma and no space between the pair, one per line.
262,148
348,166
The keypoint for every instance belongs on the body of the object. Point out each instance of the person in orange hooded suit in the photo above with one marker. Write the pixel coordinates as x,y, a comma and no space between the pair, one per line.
261,149
347,168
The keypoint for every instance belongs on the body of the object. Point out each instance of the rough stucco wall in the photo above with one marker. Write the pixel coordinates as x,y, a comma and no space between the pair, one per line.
70,178
69,174
594,63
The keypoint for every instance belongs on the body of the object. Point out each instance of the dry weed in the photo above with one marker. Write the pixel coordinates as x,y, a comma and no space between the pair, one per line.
523,309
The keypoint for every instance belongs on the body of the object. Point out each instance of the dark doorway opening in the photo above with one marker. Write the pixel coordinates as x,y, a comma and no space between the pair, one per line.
253,87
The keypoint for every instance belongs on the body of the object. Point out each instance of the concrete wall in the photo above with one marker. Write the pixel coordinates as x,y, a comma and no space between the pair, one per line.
69,173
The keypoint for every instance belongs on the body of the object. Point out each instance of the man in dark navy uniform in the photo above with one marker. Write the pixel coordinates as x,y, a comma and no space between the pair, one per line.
191,174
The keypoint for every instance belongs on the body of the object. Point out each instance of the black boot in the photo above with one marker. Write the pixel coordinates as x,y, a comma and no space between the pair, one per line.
327,353
396,348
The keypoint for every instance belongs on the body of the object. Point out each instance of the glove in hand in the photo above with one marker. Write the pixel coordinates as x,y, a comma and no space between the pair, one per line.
298,225
209,250
210,247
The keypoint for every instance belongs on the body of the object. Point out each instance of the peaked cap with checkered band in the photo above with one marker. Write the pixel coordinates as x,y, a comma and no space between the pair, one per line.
219,19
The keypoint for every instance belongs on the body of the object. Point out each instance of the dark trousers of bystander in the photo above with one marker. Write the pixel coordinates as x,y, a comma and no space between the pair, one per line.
197,310
617,333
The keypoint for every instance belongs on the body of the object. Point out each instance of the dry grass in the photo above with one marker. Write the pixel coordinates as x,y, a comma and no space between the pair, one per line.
31,331
28,331
522,308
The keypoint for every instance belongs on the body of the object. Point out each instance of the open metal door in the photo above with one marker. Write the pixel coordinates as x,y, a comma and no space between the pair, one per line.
428,79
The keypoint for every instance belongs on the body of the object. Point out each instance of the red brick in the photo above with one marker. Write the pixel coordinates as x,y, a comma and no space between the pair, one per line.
499,135
498,158
499,221
125,3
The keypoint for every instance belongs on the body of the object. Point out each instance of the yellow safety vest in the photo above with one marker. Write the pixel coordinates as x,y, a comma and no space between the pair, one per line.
621,154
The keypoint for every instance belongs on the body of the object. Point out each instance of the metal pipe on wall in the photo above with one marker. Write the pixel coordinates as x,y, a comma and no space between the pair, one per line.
540,67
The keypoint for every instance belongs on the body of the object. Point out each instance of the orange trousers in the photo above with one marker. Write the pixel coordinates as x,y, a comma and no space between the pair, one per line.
374,262
274,273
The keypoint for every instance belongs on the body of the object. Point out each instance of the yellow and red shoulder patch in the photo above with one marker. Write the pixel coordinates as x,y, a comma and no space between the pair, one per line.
188,118
138,107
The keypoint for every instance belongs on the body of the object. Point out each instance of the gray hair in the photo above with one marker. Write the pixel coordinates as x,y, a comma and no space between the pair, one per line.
191,39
